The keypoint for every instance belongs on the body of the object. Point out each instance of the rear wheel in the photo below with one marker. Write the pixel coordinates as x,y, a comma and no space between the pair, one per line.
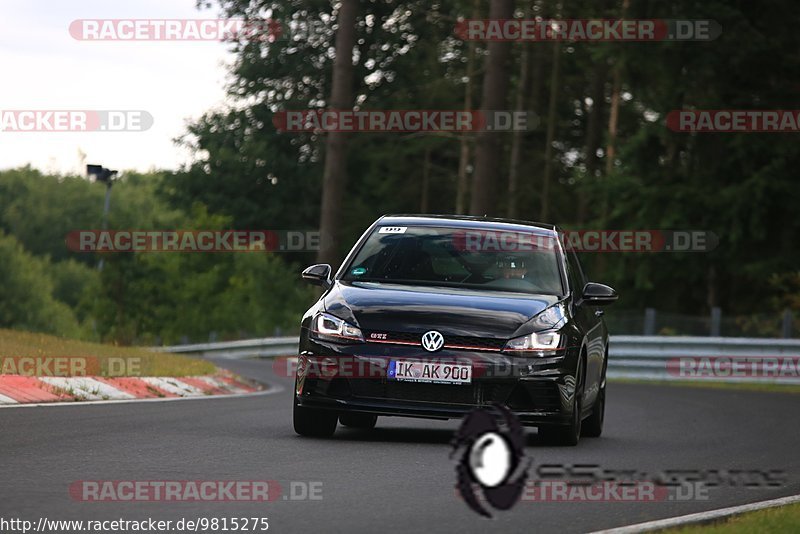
358,420
314,423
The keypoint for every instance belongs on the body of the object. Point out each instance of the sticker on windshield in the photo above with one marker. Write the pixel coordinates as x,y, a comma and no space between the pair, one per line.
358,271
393,230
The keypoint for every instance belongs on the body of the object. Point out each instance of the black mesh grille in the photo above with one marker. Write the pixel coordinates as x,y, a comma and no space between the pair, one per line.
477,342
535,396
472,394
447,393
338,387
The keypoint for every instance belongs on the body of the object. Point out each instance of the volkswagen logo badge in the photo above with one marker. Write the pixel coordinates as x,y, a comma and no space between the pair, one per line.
432,341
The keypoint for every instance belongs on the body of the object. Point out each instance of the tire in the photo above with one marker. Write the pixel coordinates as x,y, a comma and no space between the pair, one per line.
593,426
563,435
314,423
358,420
568,435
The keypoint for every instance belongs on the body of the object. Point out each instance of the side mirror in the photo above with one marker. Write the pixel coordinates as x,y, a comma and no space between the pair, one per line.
598,294
319,275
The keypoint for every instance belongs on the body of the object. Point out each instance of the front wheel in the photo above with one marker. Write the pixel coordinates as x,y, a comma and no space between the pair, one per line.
314,423
565,435
568,435
593,426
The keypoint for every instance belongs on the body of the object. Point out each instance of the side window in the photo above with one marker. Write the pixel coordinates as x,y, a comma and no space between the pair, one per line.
576,278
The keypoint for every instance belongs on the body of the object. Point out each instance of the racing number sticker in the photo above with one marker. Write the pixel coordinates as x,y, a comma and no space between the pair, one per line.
393,230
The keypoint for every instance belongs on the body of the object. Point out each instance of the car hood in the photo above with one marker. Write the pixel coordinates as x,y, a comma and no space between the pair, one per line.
454,311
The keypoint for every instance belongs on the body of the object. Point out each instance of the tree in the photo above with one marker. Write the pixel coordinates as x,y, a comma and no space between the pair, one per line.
26,294
544,213
466,138
334,178
523,87
488,144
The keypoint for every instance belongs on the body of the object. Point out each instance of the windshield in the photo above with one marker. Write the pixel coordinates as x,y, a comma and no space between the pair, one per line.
475,259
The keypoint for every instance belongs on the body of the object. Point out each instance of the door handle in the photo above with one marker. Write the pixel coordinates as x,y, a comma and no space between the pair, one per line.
599,313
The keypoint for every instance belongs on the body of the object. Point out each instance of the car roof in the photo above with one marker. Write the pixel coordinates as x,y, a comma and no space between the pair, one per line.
467,221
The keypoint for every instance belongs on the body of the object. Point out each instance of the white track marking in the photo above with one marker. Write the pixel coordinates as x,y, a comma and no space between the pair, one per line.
86,388
174,386
7,400
270,391
217,383
702,517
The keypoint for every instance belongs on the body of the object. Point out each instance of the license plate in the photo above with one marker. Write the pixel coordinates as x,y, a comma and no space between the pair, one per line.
430,372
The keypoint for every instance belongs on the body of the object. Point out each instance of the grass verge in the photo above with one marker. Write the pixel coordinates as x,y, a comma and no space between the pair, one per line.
772,520
33,354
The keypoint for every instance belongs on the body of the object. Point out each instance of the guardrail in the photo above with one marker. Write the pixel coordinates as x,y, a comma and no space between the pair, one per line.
266,347
728,359
634,357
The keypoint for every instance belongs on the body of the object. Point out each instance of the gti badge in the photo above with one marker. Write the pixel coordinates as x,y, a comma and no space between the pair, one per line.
432,341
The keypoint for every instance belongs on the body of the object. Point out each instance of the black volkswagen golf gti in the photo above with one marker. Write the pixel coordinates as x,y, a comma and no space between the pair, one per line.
433,316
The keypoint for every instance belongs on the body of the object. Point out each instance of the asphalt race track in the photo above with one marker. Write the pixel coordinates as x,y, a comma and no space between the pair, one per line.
398,478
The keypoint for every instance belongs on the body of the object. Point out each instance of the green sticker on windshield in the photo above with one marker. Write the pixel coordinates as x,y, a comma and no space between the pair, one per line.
358,271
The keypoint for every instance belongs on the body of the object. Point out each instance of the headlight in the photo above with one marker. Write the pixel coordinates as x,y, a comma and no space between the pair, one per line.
537,342
332,328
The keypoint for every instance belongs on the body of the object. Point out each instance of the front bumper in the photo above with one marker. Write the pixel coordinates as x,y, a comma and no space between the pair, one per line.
352,378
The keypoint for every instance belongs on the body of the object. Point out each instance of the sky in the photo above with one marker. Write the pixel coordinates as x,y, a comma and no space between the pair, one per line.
45,68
